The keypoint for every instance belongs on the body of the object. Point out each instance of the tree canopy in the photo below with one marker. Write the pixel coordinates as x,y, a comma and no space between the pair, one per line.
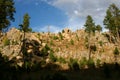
112,20
26,22
7,11
89,25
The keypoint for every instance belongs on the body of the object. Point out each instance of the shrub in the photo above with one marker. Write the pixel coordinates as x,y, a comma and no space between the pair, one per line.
55,37
6,41
61,36
98,62
71,42
52,57
101,43
61,60
77,37
44,51
57,50
14,42
73,64
83,62
66,46
51,42
116,51
90,63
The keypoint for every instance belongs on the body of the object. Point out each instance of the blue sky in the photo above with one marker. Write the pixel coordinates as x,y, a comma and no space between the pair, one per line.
59,14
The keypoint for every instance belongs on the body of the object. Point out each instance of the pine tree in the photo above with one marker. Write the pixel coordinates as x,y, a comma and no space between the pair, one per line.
98,28
89,25
26,23
7,11
112,21
25,28
89,29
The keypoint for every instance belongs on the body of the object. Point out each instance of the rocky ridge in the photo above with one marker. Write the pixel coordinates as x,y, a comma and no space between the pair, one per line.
65,44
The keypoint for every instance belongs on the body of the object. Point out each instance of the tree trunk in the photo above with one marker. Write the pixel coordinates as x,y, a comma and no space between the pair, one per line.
89,50
118,38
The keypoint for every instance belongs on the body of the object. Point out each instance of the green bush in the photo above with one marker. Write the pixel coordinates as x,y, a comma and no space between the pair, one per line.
83,62
101,43
116,51
55,37
73,64
98,62
52,57
66,46
77,37
61,60
44,51
91,63
6,41
15,42
71,42
61,36
51,43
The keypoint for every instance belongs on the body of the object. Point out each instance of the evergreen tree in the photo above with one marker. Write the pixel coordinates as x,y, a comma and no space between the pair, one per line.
7,11
112,21
26,23
25,28
89,25
90,29
98,28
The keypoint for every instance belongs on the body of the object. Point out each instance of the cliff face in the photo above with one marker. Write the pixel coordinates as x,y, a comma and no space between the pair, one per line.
66,44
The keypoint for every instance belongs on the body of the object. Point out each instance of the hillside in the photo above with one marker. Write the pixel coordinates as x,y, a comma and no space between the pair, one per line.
63,46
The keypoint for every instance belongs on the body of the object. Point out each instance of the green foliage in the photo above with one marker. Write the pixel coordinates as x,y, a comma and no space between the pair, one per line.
86,39
71,42
55,37
66,46
61,36
27,65
7,11
6,41
98,28
73,64
112,20
26,23
51,42
77,37
83,62
44,51
98,63
52,57
61,60
89,25
91,63
116,51
14,42
101,43
30,30
63,31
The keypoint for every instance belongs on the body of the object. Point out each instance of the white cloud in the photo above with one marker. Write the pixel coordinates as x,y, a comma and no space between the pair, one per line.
77,10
